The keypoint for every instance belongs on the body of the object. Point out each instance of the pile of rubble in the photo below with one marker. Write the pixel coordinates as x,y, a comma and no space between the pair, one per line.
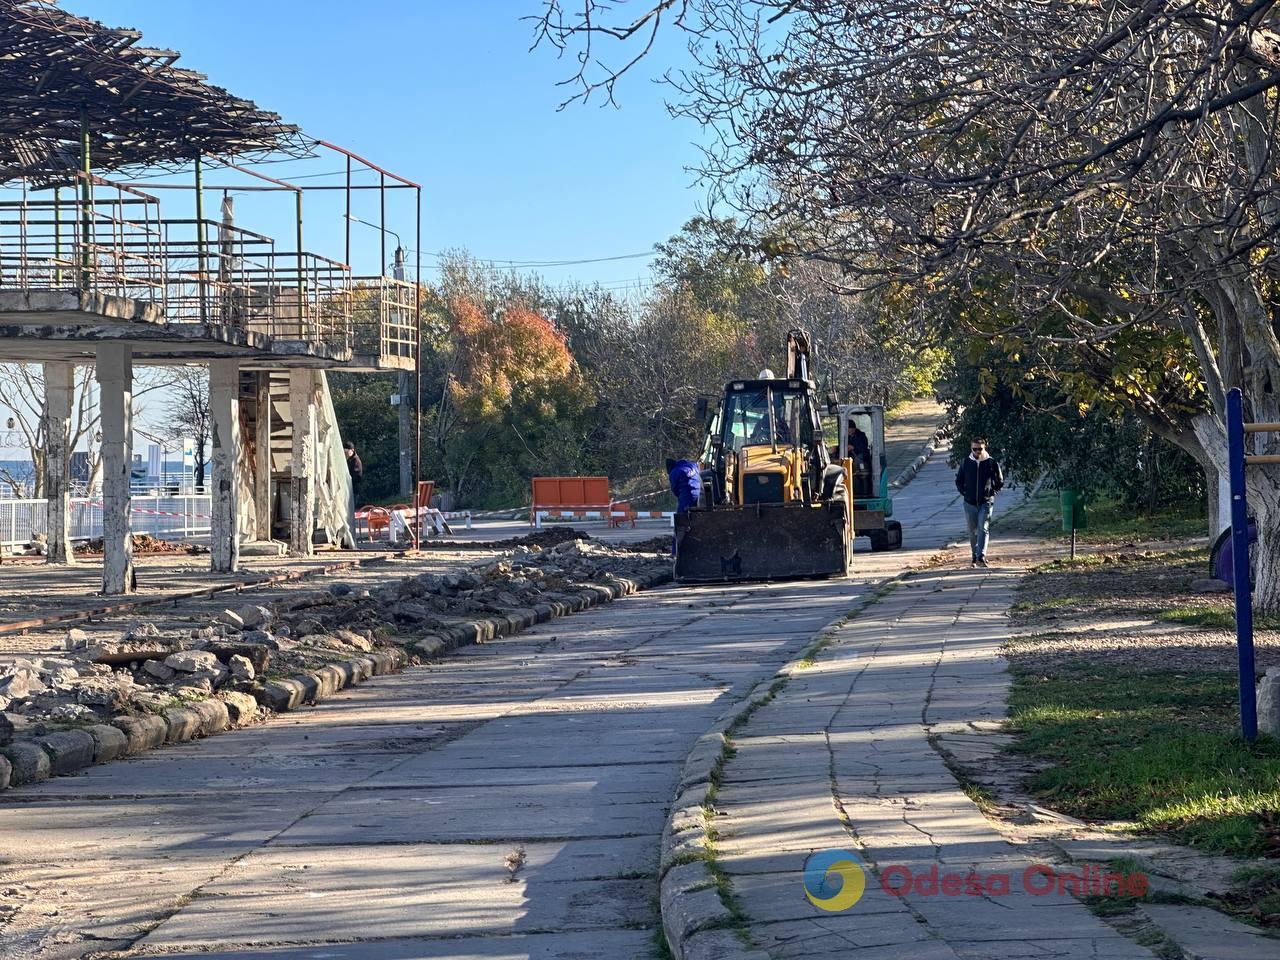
37,546
244,659
542,539
522,579
143,543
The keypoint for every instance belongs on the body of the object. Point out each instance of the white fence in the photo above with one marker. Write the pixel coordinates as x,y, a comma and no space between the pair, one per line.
170,518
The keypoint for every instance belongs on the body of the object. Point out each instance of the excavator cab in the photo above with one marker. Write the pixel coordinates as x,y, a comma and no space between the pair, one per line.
773,504
860,433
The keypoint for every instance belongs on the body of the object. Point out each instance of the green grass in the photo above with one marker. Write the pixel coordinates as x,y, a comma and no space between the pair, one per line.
1216,618
1255,894
1116,904
661,949
1110,521
1159,748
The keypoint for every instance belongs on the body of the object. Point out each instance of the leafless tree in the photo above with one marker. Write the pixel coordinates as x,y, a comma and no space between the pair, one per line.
1104,165
22,393
189,416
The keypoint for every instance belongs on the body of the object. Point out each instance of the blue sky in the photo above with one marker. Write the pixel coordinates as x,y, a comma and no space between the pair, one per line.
447,93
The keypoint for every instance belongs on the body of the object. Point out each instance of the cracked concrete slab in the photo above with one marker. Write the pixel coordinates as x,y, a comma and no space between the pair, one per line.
871,782
387,821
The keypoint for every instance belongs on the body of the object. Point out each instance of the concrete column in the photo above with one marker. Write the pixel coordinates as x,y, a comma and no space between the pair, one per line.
406,433
115,395
262,450
224,410
59,385
302,411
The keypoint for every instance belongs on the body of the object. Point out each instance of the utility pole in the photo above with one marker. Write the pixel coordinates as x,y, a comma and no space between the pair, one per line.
406,385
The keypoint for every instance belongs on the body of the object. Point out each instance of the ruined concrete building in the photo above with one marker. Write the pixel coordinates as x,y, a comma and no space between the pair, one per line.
96,270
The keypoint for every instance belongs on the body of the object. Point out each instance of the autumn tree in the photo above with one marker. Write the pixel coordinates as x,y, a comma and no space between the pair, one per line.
1115,164
508,399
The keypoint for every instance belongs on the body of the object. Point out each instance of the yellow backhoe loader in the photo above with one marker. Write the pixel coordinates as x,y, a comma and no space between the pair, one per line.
773,505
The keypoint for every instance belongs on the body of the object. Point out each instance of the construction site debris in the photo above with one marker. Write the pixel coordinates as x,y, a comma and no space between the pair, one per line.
143,543
145,670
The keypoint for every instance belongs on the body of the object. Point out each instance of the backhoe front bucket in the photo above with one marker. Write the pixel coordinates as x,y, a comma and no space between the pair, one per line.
761,542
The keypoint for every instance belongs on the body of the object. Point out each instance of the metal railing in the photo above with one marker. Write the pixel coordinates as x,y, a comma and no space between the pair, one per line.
384,318
113,240
165,517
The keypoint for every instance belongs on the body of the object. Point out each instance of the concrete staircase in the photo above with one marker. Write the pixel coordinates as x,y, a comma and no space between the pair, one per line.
267,429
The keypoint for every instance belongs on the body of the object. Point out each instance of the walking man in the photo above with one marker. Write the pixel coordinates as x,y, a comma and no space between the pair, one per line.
979,480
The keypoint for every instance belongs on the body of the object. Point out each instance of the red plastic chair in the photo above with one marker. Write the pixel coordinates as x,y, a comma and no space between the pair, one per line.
377,518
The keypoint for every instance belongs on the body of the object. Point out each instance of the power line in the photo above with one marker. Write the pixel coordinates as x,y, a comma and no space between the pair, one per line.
647,254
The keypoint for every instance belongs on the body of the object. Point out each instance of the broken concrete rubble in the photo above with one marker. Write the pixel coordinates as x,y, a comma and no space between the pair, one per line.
241,667
149,685
191,661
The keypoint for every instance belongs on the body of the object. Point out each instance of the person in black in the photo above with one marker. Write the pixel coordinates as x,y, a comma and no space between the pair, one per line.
354,467
860,451
979,480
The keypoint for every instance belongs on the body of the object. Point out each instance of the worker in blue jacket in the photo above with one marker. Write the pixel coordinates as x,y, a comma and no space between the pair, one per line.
686,483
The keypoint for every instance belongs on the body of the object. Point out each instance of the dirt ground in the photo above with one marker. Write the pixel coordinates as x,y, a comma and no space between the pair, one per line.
1115,608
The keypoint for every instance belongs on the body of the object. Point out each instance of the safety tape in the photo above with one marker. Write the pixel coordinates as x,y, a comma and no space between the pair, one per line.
150,513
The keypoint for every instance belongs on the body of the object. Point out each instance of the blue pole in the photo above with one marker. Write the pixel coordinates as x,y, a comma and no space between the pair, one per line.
1240,558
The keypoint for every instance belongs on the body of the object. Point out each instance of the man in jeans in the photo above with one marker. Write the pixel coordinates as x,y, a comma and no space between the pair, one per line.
979,480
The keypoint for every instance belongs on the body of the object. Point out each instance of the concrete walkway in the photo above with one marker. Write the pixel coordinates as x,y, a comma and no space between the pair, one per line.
506,802
842,759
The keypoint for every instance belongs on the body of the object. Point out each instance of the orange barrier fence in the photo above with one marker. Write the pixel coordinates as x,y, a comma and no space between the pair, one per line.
569,494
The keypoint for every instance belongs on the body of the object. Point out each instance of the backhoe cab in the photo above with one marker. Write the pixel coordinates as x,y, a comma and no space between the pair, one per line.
773,504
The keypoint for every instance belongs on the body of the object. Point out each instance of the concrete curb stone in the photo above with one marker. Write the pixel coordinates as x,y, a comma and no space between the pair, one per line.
329,680
183,723
30,764
30,761
931,446
279,695
690,902
108,743
69,751
241,708
213,714
145,732
433,645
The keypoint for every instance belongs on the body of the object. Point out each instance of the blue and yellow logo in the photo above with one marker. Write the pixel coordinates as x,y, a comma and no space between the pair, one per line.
834,880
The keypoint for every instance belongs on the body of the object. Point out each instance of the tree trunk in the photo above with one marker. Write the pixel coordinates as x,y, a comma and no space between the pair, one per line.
1218,499
1263,491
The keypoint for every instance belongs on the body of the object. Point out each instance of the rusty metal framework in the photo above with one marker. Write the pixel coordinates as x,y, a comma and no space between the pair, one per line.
80,101
61,73
111,238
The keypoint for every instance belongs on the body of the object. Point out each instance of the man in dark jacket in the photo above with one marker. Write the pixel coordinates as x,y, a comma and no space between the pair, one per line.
979,480
354,467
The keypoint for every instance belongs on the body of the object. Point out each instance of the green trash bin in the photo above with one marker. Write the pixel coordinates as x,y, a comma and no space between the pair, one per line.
1073,512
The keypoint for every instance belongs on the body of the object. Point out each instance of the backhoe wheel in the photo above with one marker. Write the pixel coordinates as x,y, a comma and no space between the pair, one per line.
893,535
879,540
